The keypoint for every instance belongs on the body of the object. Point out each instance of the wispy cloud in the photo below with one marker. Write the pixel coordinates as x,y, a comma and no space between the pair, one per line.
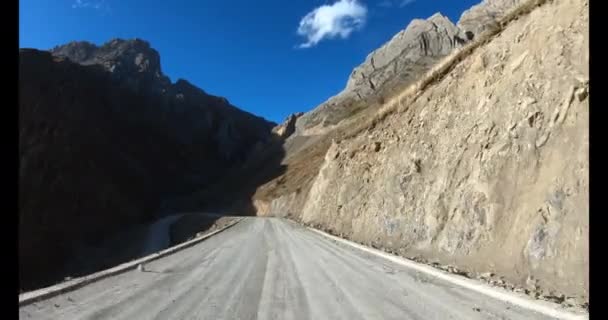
395,3
330,21
92,4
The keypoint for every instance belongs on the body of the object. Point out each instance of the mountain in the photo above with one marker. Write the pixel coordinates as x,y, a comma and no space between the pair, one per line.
473,157
462,145
106,141
485,15
132,62
403,60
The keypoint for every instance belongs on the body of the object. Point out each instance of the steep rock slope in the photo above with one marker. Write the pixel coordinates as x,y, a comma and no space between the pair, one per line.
191,112
486,169
401,61
133,62
100,152
485,15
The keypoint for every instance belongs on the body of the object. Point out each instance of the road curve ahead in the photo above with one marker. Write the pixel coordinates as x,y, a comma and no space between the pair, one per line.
267,268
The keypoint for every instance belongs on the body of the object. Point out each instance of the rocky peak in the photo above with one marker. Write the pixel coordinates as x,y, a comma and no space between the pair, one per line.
136,54
404,59
399,62
133,62
443,23
485,14
434,36
188,110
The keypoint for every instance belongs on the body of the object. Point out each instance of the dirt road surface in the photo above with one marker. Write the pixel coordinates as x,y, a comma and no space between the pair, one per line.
269,268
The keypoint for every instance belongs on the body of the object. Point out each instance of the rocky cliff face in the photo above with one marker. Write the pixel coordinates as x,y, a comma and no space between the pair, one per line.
484,15
401,61
419,45
133,62
103,141
191,112
486,168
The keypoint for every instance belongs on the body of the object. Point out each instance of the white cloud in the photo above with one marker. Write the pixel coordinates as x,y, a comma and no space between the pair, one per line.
330,21
395,3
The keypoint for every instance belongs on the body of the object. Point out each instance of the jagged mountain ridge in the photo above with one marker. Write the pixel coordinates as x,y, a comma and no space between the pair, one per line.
402,60
135,65
131,61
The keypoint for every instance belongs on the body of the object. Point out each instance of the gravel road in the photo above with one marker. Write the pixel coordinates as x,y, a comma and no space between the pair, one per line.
269,268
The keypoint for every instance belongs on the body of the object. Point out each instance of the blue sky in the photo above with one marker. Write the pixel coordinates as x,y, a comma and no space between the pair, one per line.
269,57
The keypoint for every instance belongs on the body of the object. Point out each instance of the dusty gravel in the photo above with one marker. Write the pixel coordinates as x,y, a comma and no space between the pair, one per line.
268,268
